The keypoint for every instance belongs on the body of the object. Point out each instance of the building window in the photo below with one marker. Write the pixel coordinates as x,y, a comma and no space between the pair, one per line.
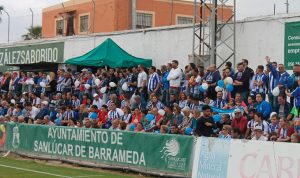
184,20
60,27
84,23
144,20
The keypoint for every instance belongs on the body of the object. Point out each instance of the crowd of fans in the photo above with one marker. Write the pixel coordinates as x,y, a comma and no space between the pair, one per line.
236,103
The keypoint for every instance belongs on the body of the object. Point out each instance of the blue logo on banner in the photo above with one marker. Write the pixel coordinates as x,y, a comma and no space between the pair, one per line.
214,155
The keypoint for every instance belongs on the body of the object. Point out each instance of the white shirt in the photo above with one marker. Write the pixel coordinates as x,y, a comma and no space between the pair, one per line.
175,77
141,78
261,138
36,101
34,111
98,103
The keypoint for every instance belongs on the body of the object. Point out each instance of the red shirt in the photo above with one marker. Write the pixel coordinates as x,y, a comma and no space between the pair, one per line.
240,123
102,116
136,118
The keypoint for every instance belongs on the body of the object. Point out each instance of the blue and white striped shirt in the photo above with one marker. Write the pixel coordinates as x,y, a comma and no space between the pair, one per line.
46,81
219,104
153,81
59,86
263,88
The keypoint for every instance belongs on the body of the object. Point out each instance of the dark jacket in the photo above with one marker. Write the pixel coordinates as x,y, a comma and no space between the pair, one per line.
5,85
202,129
287,109
43,112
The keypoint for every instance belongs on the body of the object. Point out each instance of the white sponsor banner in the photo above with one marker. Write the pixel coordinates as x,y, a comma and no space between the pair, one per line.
220,158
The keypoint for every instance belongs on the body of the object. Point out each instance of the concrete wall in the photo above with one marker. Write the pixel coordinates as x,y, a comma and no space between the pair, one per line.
255,38
161,46
261,36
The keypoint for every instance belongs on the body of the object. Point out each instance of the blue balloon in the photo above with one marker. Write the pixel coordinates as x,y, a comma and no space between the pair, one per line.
221,83
229,87
57,121
150,117
188,131
217,117
201,89
132,127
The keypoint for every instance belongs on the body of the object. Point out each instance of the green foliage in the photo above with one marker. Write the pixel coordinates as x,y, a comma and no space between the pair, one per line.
33,33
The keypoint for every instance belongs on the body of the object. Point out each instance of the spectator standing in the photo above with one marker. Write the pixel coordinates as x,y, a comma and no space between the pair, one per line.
260,81
154,81
165,85
211,78
174,78
142,86
241,81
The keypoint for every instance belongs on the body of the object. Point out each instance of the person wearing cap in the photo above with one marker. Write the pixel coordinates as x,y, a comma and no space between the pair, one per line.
97,101
239,121
274,124
84,70
258,134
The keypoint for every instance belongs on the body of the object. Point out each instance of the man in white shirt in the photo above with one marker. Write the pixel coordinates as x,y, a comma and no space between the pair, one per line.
259,134
174,77
31,111
142,86
97,101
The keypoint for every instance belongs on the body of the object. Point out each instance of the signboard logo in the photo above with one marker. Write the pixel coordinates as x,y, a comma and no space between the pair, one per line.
171,148
16,137
170,154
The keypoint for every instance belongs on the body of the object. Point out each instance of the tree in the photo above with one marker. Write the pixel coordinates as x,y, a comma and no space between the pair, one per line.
33,33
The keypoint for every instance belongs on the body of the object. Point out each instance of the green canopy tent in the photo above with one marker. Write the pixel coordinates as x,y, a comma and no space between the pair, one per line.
108,54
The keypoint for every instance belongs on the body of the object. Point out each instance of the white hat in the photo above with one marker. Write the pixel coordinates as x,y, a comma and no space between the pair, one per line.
237,110
272,114
45,103
84,70
258,127
186,108
95,95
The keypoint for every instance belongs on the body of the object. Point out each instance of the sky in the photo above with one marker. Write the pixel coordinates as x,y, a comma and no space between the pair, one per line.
20,14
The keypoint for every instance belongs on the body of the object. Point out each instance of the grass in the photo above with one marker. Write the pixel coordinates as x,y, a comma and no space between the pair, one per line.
16,168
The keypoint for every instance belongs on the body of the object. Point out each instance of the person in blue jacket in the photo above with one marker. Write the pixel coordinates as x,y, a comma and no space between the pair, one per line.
263,106
279,78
